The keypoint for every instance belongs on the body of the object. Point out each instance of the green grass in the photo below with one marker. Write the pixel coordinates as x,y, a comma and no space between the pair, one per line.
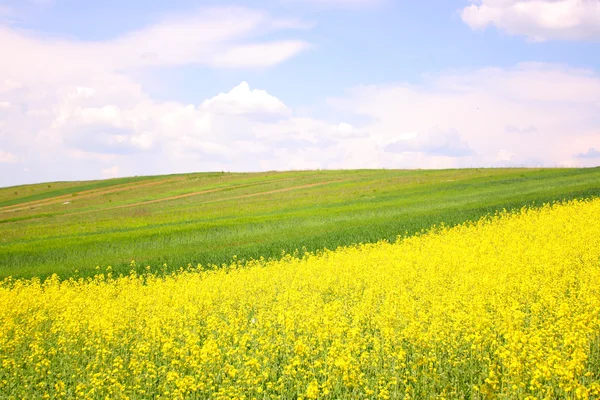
22,194
251,215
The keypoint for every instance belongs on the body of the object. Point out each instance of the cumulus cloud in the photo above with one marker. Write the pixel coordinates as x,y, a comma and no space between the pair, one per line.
6,157
66,102
445,143
460,119
307,130
58,126
71,110
538,20
529,115
592,154
111,172
242,100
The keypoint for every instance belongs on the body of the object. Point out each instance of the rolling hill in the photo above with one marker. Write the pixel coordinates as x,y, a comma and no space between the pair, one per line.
70,228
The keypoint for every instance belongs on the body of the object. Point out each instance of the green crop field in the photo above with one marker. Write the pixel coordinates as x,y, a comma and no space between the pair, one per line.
70,228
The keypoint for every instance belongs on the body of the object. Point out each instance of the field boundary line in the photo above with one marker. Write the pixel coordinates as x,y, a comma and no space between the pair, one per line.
117,188
81,195
282,190
182,196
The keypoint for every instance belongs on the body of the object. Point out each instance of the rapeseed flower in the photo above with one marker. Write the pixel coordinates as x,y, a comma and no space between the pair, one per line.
505,307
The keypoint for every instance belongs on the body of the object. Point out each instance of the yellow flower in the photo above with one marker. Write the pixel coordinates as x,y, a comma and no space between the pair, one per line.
504,307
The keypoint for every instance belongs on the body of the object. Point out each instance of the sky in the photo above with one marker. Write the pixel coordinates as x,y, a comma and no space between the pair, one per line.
93,90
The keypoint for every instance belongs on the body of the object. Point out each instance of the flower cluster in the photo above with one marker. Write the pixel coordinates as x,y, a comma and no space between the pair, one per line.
507,307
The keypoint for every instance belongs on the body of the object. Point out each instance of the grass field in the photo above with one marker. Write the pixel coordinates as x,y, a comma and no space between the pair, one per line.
209,217
504,308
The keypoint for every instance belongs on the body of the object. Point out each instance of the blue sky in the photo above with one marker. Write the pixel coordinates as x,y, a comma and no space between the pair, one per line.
99,89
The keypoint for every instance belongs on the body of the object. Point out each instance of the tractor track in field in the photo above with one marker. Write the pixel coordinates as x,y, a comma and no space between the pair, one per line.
81,195
182,196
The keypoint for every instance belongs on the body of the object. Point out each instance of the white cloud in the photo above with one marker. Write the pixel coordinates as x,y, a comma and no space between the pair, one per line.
296,131
344,130
434,142
530,115
539,20
242,100
591,153
6,157
63,101
70,110
88,122
111,172
504,156
219,37
258,55
460,118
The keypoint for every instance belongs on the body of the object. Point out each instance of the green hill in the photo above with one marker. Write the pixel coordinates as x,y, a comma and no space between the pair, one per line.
63,227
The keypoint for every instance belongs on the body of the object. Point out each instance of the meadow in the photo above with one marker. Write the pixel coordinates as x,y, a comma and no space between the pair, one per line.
73,228
505,307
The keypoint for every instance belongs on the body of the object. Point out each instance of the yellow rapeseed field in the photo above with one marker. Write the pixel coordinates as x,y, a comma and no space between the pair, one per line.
507,307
